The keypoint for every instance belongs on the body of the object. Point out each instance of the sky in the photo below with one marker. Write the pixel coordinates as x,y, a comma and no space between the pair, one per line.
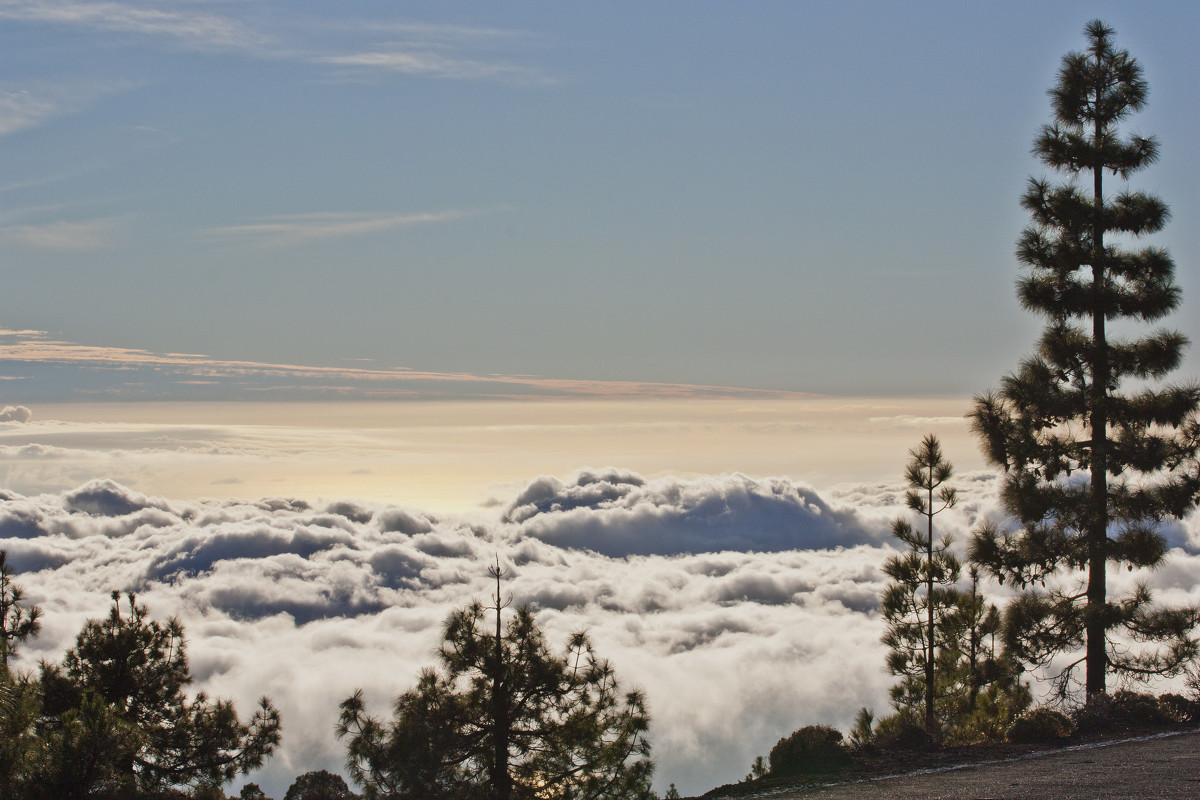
310,315
816,197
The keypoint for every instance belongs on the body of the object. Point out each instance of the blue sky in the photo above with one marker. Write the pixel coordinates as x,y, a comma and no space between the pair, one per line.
801,196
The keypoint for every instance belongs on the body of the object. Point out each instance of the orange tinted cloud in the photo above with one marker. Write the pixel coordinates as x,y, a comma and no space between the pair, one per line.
170,374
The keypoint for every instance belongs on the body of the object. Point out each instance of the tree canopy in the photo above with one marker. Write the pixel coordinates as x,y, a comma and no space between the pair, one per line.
504,717
114,721
319,784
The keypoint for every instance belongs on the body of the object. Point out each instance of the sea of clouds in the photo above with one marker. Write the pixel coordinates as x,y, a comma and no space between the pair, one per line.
743,607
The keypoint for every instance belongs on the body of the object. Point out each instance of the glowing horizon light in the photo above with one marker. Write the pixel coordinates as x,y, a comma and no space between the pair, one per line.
460,456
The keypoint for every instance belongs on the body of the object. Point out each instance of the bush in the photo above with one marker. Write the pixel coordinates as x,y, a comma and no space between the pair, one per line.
902,731
1040,725
814,748
996,708
1180,708
1139,708
1103,712
1097,714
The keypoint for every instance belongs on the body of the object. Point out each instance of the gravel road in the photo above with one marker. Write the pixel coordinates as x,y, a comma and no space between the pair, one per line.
1166,767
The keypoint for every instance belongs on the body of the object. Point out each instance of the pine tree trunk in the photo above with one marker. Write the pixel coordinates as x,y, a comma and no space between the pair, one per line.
1097,535
973,633
501,723
929,673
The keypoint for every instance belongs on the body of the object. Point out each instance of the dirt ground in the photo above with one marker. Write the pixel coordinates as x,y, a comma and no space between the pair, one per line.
1165,767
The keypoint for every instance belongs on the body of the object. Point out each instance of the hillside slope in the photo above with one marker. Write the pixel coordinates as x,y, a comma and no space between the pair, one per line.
1165,766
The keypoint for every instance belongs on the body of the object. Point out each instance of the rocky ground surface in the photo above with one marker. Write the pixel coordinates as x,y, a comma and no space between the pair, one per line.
1163,764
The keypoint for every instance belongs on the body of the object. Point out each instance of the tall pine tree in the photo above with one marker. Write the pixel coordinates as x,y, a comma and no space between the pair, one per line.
1092,471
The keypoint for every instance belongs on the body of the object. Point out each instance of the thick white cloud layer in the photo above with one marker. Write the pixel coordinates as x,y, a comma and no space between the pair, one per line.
744,607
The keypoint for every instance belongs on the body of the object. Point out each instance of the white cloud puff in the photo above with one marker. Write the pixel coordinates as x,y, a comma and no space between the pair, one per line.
745,608
618,513
15,414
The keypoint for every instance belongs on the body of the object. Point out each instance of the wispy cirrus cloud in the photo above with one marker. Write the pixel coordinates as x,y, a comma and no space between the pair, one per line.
179,25
182,24
453,52
91,234
349,49
35,104
410,61
287,229
449,35
22,109
427,49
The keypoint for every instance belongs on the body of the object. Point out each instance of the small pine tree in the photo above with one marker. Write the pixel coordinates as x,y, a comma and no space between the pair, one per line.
975,624
921,595
862,734
758,769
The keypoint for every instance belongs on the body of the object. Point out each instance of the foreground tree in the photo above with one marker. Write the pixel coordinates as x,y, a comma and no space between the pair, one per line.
921,595
21,750
18,621
504,718
1091,472
117,721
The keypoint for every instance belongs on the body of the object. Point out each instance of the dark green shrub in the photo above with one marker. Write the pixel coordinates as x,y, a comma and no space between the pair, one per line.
814,748
1040,725
1179,708
902,731
996,708
1103,712
1097,714
1139,708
